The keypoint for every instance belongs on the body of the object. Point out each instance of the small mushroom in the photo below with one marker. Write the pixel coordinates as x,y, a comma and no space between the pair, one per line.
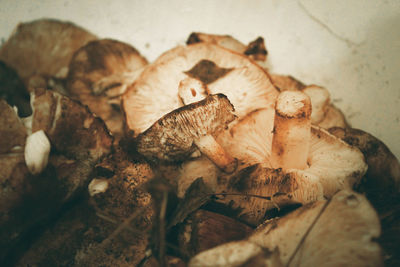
155,92
179,133
324,113
43,48
292,130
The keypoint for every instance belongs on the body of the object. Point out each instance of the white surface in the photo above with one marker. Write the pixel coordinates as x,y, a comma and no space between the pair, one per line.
350,47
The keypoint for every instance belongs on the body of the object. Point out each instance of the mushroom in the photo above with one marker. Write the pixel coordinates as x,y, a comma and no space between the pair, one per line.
99,74
177,134
324,113
42,48
315,167
255,49
292,129
336,232
155,92
383,173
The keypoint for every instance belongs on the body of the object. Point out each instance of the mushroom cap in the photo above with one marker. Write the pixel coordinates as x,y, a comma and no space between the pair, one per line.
343,234
99,73
155,92
172,137
235,254
43,47
286,82
284,188
255,50
383,173
192,169
334,117
225,41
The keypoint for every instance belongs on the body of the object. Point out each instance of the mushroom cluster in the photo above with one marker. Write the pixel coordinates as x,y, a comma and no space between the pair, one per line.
200,158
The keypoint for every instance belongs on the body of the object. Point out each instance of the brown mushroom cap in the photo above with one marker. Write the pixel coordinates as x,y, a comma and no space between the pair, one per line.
383,173
99,73
173,136
43,47
155,92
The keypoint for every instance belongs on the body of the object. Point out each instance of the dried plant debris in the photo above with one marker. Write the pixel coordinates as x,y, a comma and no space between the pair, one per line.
99,74
78,141
41,49
112,229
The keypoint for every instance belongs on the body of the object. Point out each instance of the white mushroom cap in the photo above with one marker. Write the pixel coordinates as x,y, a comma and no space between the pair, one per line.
155,93
230,254
343,233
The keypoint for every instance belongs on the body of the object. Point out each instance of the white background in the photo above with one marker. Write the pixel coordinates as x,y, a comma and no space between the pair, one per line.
350,47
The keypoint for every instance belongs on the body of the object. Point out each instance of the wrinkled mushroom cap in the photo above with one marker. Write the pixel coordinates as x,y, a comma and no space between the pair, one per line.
43,47
155,92
172,137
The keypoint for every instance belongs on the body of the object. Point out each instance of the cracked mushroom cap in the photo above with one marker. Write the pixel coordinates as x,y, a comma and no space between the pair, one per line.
341,232
173,137
99,74
43,47
155,92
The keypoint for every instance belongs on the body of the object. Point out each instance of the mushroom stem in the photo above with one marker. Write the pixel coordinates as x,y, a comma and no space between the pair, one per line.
292,130
209,147
191,90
